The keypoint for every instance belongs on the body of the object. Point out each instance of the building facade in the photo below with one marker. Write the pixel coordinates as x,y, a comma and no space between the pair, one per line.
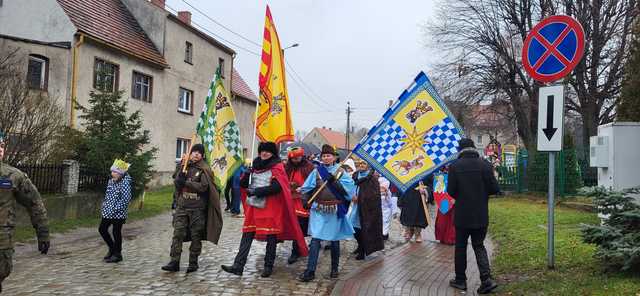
161,62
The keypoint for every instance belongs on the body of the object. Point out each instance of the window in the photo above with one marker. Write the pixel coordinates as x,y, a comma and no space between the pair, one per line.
182,147
221,66
38,72
188,52
105,76
479,141
142,87
185,101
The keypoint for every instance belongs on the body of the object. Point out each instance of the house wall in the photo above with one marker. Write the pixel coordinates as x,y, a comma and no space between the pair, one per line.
151,18
245,115
314,137
44,20
59,70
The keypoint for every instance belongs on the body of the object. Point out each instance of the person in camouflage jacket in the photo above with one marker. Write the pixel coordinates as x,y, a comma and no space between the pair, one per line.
15,186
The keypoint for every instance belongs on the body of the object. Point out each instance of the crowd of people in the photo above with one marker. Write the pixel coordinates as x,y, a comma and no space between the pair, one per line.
327,199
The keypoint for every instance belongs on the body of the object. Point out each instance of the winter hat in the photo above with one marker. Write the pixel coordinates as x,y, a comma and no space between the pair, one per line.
328,149
350,164
269,147
198,148
120,166
295,152
466,143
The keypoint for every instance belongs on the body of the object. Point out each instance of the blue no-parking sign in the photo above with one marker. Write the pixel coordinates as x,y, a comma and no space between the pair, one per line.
553,48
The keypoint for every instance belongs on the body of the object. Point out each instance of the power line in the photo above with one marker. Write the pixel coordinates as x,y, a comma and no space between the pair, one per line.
214,34
305,84
221,25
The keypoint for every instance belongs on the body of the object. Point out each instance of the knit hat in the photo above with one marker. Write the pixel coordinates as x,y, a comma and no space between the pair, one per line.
198,148
269,147
120,166
350,164
295,152
328,149
466,143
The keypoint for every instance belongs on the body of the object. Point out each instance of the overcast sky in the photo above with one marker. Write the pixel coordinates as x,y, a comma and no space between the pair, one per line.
365,51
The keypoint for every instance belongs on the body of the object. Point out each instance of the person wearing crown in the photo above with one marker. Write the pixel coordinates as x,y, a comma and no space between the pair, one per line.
115,206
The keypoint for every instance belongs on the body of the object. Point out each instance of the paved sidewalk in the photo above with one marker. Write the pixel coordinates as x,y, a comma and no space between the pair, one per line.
412,269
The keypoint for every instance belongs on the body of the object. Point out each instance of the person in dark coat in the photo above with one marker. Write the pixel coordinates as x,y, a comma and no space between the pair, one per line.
471,181
366,212
412,212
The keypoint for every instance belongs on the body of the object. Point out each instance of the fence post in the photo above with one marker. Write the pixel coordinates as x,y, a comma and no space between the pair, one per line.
70,176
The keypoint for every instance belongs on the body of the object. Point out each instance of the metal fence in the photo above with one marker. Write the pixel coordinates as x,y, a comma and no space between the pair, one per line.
48,178
92,181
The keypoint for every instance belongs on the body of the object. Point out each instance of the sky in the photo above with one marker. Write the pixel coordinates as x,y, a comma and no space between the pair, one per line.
363,51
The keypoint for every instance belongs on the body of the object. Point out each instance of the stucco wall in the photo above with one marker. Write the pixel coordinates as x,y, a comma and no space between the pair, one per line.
154,114
59,66
151,18
245,114
314,137
42,20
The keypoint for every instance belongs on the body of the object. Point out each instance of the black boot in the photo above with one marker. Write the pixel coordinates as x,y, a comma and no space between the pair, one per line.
458,284
334,273
109,254
487,286
237,270
270,256
267,272
193,264
172,266
307,276
293,258
360,255
115,258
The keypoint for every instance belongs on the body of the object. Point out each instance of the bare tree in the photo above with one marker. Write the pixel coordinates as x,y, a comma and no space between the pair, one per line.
29,117
483,43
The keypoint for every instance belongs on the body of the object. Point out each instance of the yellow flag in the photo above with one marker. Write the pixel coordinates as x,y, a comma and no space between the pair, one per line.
274,114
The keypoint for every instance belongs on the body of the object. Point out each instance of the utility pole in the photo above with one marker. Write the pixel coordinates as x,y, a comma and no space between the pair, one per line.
349,111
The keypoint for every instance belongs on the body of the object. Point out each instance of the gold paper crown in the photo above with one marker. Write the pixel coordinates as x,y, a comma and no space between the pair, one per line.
120,165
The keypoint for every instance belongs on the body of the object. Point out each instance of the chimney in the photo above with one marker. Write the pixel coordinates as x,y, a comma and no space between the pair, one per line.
185,17
159,3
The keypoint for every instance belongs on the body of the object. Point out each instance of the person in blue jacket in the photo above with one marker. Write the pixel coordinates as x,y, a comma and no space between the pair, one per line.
327,217
115,206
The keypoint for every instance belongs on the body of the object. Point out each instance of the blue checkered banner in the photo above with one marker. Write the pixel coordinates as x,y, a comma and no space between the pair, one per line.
414,138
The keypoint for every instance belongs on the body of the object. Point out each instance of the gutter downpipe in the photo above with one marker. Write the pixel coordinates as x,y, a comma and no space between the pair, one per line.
74,79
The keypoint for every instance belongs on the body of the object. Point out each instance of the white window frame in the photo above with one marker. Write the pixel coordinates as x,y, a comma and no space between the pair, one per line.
183,145
479,142
188,52
188,99
43,71
145,96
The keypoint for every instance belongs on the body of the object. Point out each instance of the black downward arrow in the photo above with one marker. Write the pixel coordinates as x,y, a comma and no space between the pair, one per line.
549,131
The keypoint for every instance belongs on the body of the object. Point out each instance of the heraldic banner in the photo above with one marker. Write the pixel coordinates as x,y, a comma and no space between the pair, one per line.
274,114
220,133
414,138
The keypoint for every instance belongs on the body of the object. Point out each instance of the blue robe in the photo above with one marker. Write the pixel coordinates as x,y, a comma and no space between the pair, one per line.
327,226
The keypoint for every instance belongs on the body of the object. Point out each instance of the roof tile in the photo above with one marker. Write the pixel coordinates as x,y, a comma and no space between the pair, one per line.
111,22
240,87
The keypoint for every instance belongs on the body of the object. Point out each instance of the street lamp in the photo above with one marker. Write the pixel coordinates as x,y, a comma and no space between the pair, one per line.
292,45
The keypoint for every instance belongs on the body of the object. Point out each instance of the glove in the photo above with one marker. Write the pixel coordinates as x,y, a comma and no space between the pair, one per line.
43,246
331,179
181,180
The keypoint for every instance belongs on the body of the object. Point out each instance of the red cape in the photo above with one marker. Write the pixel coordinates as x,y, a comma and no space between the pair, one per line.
281,207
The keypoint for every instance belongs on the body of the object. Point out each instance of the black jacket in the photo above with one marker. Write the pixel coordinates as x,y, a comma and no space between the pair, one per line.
471,181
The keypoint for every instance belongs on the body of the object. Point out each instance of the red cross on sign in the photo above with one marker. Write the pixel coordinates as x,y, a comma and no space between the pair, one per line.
553,48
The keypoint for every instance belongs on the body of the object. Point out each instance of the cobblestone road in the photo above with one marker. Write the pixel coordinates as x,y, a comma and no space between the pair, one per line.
74,266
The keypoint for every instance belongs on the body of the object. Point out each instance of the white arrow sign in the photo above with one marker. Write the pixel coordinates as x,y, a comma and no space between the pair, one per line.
550,118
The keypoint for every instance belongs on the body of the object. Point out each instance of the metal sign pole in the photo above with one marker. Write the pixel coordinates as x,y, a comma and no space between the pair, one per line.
550,205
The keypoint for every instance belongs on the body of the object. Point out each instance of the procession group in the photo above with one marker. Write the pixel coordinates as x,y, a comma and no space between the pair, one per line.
328,200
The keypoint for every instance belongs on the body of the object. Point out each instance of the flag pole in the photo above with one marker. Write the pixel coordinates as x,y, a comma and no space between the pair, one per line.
185,160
